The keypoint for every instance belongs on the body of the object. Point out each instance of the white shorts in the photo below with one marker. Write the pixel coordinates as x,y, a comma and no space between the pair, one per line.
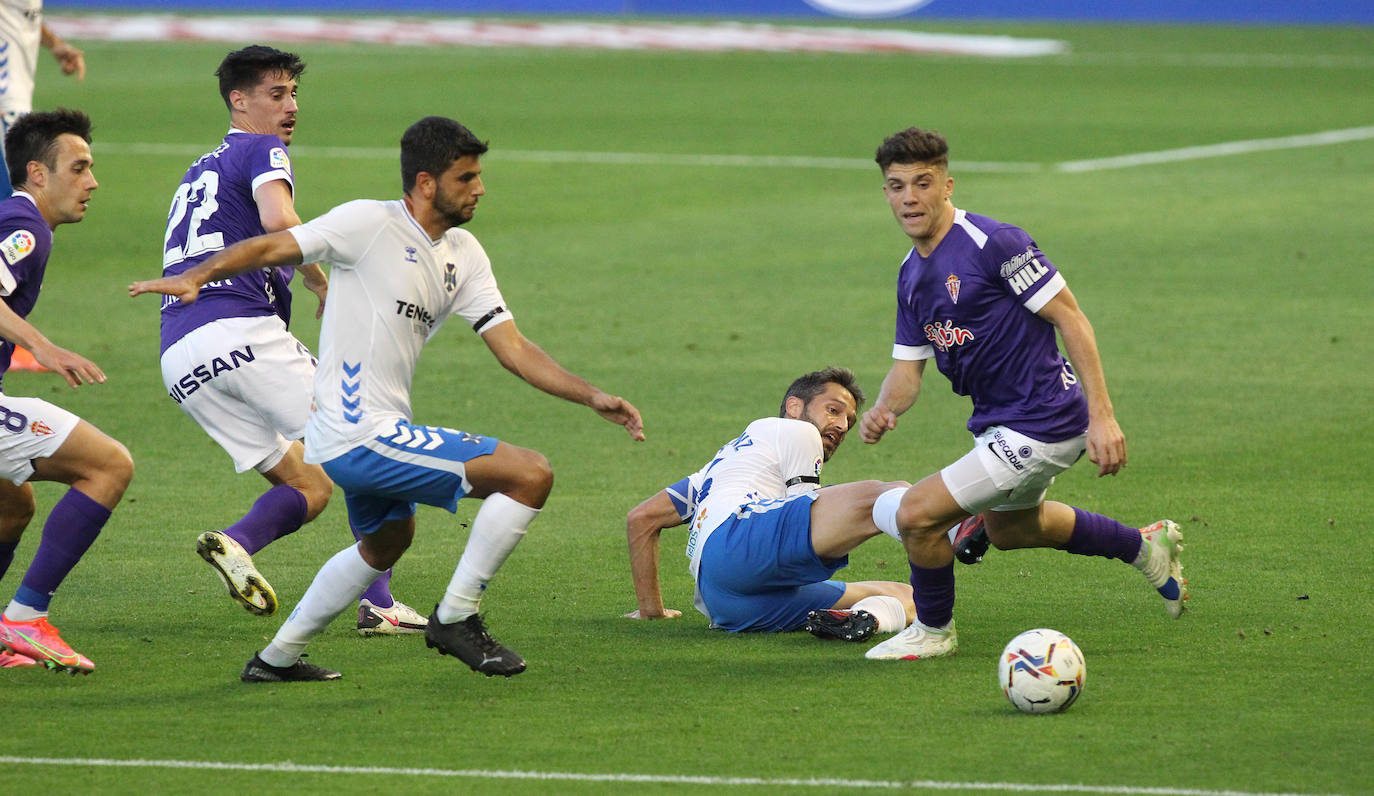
247,382
30,428
1007,470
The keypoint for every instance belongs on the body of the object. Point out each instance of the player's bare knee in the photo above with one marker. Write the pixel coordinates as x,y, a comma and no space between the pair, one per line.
317,492
15,515
533,481
115,471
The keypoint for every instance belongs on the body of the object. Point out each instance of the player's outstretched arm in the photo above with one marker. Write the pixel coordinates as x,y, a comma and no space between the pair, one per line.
900,388
643,526
521,356
1106,441
69,58
277,248
73,367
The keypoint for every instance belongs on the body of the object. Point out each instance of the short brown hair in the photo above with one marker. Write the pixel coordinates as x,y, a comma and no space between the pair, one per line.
913,145
813,384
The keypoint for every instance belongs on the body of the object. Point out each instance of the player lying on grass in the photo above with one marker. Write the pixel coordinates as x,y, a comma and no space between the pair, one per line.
980,298
398,269
49,156
765,539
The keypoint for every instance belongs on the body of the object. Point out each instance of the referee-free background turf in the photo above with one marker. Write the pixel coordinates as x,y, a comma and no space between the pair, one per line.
1231,299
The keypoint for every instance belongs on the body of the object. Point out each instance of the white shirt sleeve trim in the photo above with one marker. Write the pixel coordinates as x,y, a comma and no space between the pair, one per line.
7,281
275,174
911,353
1044,294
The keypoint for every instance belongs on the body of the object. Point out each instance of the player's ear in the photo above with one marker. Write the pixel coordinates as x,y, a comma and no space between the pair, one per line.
37,174
794,407
238,100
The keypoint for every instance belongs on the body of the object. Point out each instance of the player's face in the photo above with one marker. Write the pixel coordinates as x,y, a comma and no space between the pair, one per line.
269,108
919,196
68,189
457,190
833,413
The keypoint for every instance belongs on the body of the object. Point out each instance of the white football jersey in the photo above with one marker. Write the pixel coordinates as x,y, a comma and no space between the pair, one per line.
775,457
21,27
390,289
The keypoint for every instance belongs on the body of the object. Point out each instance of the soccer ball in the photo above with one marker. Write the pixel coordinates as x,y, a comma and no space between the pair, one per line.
1042,671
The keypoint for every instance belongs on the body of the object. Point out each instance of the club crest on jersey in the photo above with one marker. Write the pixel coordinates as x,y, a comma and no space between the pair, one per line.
279,159
410,255
947,335
18,245
450,277
39,428
952,285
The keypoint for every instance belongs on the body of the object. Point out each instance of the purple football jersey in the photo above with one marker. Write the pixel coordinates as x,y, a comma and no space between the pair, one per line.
213,209
972,304
25,243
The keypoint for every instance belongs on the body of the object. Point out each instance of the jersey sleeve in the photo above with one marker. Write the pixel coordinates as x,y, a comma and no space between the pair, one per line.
17,252
269,162
340,236
910,342
800,456
1022,268
684,496
477,300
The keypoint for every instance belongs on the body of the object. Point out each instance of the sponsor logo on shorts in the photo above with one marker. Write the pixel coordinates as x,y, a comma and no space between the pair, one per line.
947,335
40,428
207,371
1016,458
18,245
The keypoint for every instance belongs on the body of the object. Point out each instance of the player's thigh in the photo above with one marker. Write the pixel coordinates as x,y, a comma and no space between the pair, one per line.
842,515
247,383
93,461
384,478
1008,471
522,474
31,430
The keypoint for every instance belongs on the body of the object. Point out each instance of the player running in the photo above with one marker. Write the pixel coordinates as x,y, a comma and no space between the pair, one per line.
49,156
400,269
228,360
979,297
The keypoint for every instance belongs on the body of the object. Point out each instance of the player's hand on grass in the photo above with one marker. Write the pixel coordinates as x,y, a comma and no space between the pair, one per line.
179,286
73,367
1106,445
875,423
621,412
668,613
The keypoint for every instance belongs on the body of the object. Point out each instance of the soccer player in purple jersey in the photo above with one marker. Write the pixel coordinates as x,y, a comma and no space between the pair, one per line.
228,360
49,156
980,298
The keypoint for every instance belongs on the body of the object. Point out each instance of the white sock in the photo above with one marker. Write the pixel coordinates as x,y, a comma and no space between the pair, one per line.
338,585
19,612
885,511
498,527
886,609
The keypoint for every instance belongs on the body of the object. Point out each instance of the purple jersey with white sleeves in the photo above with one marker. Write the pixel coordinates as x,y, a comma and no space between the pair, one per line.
25,243
971,305
214,208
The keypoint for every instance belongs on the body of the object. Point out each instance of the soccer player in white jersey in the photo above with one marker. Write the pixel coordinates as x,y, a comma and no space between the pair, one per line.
764,538
22,32
979,297
398,270
229,360
51,153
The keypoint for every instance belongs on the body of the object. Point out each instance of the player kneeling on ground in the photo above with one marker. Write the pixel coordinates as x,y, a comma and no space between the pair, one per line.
398,270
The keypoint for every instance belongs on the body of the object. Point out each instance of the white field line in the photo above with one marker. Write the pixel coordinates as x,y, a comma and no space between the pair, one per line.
1325,138
293,768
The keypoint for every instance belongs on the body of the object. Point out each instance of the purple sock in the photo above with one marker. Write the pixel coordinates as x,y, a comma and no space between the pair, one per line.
379,591
278,512
7,556
71,528
1096,535
934,593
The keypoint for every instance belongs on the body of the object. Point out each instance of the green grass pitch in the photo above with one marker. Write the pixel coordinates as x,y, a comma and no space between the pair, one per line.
1231,299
